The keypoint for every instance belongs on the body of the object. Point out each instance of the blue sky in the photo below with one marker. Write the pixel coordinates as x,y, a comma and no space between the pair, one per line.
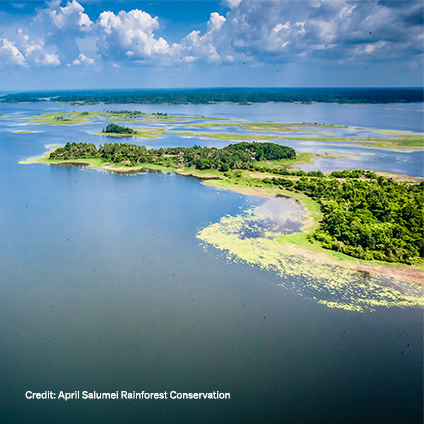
228,43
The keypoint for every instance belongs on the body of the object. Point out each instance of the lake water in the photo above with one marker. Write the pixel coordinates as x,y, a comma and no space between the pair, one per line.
105,287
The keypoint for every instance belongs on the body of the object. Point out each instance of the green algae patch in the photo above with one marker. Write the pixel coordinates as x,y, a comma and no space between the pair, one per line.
248,237
25,132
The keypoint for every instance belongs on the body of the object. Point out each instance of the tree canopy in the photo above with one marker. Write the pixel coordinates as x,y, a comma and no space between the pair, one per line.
117,129
367,218
234,156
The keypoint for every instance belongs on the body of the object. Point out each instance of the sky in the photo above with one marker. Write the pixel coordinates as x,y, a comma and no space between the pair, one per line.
229,43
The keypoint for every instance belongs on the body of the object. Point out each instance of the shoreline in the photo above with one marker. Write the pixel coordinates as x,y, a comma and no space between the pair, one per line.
401,272
406,273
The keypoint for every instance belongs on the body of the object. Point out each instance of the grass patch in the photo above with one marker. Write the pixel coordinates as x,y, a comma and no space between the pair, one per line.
62,118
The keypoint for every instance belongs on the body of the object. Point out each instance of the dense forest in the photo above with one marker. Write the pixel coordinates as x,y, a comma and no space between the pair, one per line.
234,156
233,95
117,129
364,215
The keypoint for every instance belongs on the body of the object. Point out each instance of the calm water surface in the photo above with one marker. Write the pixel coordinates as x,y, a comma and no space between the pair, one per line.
104,287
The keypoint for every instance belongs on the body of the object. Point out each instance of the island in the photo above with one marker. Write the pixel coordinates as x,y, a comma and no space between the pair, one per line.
113,129
357,215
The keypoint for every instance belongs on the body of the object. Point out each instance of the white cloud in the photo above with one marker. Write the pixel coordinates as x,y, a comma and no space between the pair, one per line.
60,28
48,60
10,54
196,47
83,59
69,17
284,31
232,4
129,35
253,33
215,22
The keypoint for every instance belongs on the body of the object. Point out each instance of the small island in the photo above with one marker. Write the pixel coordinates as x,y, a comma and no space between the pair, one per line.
117,130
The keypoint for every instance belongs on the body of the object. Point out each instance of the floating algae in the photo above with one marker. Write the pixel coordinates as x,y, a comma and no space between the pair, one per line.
251,237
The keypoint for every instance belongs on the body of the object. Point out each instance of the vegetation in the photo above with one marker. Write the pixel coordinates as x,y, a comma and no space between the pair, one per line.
366,216
237,156
395,140
127,113
61,118
233,95
117,129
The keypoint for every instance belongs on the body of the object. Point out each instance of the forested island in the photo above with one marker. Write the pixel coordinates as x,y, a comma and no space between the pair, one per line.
118,130
228,95
364,215
234,156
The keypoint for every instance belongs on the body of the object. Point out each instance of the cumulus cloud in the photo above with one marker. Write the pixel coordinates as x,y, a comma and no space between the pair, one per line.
24,52
69,18
252,32
10,54
83,60
197,47
60,28
129,35
48,60
342,30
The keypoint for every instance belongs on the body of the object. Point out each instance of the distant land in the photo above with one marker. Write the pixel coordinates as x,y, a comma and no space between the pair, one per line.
223,95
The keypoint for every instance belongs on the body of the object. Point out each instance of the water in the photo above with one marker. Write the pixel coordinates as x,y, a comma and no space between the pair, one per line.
104,287
404,117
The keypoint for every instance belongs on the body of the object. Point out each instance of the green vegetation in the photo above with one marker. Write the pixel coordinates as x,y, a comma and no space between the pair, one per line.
232,95
62,118
412,141
366,216
352,214
268,126
127,113
393,140
116,129
238,156
128,116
